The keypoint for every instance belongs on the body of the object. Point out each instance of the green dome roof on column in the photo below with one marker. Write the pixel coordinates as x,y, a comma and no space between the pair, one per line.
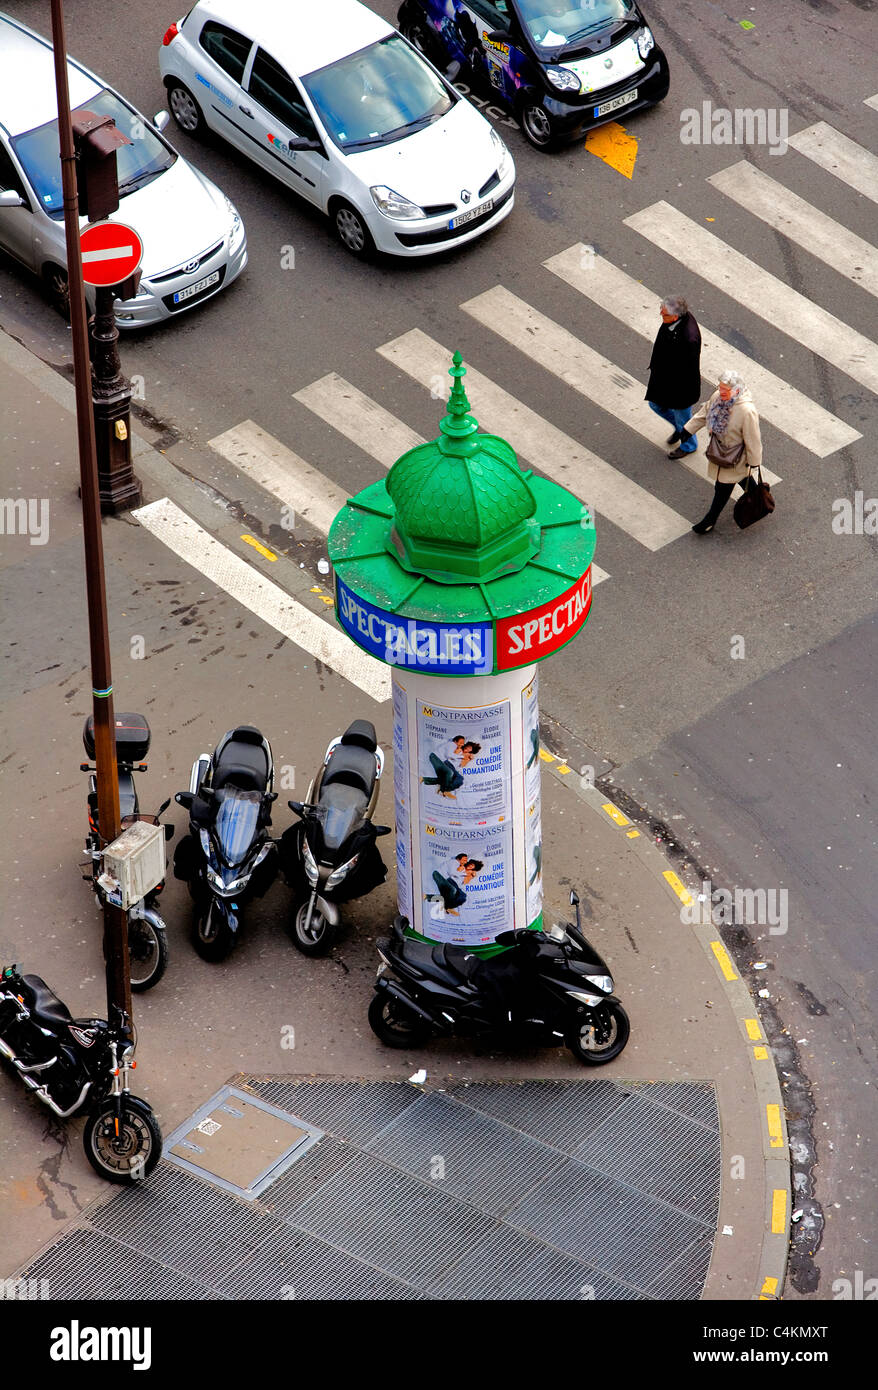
463,508
459,536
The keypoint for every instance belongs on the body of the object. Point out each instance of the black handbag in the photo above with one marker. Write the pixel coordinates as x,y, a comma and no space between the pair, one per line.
755,503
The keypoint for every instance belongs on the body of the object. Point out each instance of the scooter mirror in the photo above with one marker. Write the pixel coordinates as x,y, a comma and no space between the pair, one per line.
169,832
185,798
574,898
271,796
296,806
164,806
383,830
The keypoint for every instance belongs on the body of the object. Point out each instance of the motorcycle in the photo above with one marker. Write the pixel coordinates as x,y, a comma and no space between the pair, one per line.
330,856
147,934
228,856
548,988
77,1064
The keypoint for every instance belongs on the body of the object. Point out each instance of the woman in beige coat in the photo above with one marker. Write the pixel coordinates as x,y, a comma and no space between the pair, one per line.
731,415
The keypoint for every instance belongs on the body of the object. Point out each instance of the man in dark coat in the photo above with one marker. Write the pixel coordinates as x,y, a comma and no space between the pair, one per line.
675,372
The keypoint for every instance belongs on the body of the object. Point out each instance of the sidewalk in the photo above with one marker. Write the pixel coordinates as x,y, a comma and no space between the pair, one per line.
692,1019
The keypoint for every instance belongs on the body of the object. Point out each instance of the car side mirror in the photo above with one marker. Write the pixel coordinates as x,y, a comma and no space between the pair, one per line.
160,120
303,142
10,199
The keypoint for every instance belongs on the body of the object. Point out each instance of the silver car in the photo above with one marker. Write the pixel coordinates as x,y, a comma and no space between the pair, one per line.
194,242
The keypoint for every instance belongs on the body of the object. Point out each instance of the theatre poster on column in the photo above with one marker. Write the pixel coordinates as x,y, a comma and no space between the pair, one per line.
466,881
533,835
402,799
465,777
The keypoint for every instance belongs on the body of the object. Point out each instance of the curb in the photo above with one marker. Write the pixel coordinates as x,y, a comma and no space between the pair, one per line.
775,1141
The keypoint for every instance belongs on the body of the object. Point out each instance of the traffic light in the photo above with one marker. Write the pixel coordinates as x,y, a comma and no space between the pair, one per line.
96,140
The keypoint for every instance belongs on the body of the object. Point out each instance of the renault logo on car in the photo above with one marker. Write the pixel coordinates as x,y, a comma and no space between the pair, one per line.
465,195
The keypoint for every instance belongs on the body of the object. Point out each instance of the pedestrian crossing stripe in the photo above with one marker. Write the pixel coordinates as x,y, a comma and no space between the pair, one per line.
834,152
761,195
280,472
614,496
360,419
231,573
593,376
747,283
630,301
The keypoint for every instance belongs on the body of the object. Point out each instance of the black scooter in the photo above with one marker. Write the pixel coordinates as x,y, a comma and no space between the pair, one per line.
76,1064
228,857
330,856
147,934
549,988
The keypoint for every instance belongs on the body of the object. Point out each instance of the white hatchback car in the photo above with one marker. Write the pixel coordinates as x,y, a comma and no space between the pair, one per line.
193,239
335,103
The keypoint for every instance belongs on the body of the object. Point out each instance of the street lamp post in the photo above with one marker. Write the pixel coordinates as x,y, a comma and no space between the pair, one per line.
462,572
115,919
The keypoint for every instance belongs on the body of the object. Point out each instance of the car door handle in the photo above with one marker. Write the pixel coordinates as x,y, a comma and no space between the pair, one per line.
246,110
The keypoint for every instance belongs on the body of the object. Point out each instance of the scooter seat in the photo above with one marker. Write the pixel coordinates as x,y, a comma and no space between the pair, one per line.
45,1003
242,762
360,734
456,960
352,766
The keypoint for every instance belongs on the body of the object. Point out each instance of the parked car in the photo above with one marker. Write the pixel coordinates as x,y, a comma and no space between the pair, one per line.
561,66
194,242
332,101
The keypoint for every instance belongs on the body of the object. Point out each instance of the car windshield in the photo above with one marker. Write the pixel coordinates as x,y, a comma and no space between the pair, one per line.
554,24
144,159
341,811
236,822
377,96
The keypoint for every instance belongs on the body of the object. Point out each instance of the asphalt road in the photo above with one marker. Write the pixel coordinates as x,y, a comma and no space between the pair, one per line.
755,757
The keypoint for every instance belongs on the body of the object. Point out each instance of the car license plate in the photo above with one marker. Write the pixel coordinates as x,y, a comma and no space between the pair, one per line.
614,105
196,288
464,217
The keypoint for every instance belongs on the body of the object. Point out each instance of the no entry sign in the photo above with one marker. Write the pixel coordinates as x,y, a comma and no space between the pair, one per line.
110,253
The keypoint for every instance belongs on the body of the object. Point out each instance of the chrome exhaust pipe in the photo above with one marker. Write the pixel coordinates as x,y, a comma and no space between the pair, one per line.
40,1091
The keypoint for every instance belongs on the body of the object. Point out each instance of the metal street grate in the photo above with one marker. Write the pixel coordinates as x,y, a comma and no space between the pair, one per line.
489,1191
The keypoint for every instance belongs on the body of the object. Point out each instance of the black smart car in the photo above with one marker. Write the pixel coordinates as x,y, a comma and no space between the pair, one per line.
561,66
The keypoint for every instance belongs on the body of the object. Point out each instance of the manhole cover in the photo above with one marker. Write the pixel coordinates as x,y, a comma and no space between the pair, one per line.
239,1142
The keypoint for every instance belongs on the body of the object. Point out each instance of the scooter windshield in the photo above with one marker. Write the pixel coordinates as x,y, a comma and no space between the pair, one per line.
341,812
237,819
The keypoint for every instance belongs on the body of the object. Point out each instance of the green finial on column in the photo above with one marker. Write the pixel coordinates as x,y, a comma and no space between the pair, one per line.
458,423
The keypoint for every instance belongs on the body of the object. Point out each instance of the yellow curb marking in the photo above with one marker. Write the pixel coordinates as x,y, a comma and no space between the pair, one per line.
679,888
615,814
722,956
547,757
769,1289
562,767
772,1114
316,589
632,834
761,1054
257,545
611,144
778,1213
753,1029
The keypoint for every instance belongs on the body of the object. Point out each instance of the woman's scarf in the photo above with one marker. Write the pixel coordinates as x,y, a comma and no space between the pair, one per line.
719,412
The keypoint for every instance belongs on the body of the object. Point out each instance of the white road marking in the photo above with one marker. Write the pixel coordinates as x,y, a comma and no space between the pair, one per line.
369,425
278,470
557,455
848,161
359,418
872,101
804,224
229,572
619,294
593,376
762,293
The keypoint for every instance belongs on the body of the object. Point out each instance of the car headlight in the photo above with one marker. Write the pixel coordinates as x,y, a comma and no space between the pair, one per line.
592,1000
645,42
603,982
310,863
337,875
563,79
393,204
236,231
504,158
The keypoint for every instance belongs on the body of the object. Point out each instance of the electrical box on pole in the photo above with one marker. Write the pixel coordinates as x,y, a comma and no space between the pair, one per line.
96,141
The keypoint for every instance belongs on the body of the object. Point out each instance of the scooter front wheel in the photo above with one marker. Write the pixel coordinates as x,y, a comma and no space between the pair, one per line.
395,1025
148,952
602,1035
123,1148
315,939
212,936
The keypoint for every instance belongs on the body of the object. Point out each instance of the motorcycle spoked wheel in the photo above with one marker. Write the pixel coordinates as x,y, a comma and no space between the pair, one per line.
602,1036
395,1025
148,952
321,933
130,1156
212,936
